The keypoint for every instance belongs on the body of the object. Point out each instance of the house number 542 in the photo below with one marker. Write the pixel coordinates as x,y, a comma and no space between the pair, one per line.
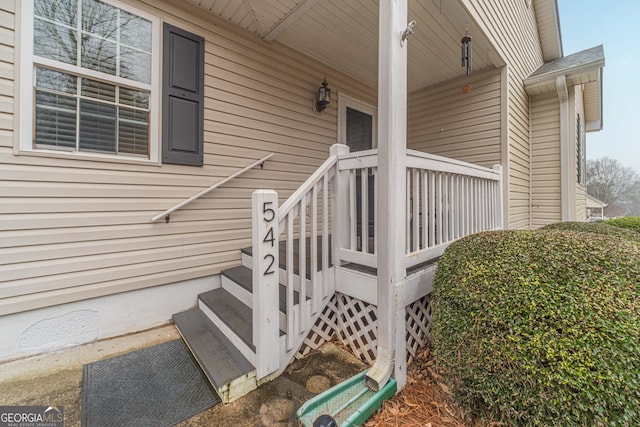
268,215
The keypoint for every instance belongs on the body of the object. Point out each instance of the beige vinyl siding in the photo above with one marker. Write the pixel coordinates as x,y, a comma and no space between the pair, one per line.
7,43
445,121
72,229
546,205
511,26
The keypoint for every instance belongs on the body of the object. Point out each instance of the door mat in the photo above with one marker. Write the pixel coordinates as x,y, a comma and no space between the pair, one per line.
157,386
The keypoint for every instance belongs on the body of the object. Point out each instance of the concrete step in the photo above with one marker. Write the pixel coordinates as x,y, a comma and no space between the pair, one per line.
228,371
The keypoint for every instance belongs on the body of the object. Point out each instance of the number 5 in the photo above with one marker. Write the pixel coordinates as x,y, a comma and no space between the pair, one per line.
266,210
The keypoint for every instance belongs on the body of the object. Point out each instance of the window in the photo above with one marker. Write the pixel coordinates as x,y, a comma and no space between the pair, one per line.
581,158
95,79
357,124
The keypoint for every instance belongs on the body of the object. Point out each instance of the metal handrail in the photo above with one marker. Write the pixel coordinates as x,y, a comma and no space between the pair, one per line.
167,214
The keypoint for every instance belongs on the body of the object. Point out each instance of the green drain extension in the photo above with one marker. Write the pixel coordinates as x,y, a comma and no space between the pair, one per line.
350,401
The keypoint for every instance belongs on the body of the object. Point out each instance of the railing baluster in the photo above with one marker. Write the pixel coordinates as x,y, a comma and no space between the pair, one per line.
325,235
290,282
464,214
445,208
364,209
352,209
313,240
484,211
408,213
476,207
432,208
302,264
455,195
375,213
425,209
440,209
415,223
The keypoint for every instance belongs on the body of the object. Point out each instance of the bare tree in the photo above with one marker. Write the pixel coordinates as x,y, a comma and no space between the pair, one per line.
608,180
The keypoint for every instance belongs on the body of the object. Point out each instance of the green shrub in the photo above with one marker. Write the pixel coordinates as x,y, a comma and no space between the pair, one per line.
595,228
629,222
541,328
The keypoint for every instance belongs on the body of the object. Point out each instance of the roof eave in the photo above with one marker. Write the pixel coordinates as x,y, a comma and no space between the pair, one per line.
550,77
550,21
544,83
558,29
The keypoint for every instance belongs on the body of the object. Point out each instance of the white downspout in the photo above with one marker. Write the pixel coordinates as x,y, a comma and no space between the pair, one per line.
392,148
563,95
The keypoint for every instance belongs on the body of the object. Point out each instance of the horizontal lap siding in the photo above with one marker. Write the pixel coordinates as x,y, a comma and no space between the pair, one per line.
545,130
444,121
73,229
512,27
7,43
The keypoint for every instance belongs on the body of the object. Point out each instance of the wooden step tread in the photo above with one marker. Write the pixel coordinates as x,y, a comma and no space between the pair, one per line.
219,359
243,277
296,259
237,316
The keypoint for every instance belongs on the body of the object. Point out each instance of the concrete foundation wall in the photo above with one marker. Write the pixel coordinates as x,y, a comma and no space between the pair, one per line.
55,328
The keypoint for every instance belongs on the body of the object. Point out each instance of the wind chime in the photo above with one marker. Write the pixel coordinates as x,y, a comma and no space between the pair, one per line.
466,58
466,52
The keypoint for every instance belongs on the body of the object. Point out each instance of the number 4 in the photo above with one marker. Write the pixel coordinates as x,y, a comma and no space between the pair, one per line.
268,238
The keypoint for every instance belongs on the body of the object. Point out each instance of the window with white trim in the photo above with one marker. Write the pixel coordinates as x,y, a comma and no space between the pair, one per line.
95,78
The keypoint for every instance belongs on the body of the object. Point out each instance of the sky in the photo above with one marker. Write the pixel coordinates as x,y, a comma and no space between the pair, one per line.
614,24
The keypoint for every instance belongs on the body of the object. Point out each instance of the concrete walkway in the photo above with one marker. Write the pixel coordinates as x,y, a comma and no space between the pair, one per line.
56,379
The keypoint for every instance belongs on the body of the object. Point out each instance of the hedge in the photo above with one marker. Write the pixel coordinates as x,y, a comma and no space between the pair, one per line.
628,222
541,328
596,228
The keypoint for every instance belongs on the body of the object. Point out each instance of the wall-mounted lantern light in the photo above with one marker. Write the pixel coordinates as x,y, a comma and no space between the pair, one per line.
324,96
466,52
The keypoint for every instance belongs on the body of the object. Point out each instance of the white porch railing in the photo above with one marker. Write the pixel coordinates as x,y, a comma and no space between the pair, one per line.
303,219
446,200
358,170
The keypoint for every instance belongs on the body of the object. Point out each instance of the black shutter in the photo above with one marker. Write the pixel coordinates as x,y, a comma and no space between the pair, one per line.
182,97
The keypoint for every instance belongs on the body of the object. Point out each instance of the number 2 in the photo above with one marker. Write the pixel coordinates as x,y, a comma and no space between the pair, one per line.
269,269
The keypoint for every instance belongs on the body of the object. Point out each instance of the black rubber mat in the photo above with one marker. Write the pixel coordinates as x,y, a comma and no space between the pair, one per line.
157,386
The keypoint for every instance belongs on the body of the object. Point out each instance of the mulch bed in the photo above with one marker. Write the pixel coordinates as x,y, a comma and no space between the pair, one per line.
424,402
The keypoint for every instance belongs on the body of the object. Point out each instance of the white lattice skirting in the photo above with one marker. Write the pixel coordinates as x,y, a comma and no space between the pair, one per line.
354,322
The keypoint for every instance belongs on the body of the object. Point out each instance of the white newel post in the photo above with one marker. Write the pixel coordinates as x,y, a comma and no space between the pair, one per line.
392,192
265,281
339,206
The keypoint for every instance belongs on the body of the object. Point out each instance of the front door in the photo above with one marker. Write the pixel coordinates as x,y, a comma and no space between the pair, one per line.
357,125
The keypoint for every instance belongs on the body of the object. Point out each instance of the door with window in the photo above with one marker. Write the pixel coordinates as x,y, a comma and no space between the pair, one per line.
357,127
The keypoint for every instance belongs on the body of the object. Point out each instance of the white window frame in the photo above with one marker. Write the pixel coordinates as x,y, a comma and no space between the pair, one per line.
345,101
26,81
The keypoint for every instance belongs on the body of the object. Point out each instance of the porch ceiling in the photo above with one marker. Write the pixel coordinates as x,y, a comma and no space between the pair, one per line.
344,34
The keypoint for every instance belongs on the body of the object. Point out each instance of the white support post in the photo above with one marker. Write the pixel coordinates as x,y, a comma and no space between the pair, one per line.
265,281
340,224
392,191
563,96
